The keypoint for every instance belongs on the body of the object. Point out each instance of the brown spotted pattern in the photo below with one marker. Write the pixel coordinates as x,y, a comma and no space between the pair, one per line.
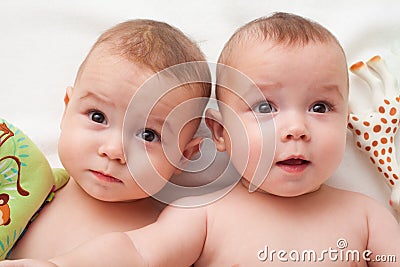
374,131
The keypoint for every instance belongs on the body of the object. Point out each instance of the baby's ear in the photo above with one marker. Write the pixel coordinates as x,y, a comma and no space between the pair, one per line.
214,123
191,149
67,96
68,93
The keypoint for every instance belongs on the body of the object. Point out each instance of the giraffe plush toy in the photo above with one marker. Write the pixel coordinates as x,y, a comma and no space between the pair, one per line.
26,181
374,129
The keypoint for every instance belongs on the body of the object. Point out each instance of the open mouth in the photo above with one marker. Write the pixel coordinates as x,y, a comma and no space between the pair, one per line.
293,164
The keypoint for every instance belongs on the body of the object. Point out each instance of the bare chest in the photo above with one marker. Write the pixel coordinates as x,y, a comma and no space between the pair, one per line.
63,225
271,236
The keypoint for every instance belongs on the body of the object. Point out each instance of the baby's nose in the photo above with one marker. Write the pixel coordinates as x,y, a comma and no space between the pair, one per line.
112,147
295,129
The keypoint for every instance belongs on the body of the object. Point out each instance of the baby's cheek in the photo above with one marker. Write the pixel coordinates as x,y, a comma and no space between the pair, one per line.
148,167
66,149
332,149
163,165
246,150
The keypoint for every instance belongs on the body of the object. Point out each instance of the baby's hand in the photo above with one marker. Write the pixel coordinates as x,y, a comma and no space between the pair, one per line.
375,128
26,263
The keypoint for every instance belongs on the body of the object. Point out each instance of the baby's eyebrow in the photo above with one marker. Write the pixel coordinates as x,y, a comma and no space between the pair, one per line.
160,121
258,87
96,97
268,86
330,88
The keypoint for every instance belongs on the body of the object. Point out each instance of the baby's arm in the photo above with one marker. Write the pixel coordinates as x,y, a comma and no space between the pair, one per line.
384,236
114,249
175,239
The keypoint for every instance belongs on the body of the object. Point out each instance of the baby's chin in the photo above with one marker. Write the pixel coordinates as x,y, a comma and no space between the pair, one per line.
282,191
114,199
295,192
115,196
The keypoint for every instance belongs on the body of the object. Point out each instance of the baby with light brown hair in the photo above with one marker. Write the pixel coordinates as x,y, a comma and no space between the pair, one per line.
102,195
283,110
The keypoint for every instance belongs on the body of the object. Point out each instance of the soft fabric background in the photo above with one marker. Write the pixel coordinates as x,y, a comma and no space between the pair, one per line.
44,41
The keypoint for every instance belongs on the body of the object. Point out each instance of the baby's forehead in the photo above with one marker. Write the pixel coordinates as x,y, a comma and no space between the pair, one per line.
263,56
174,109
181,101
269,47
191,93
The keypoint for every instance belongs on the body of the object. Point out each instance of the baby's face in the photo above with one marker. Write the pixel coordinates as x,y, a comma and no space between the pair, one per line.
304,97
91,145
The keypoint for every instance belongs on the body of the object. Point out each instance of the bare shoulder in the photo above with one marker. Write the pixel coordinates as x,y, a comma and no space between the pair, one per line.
351,197
376,213
204,202
383,229
181,222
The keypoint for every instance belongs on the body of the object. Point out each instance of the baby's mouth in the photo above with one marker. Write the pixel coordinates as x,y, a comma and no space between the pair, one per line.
293,162
106,178
293,165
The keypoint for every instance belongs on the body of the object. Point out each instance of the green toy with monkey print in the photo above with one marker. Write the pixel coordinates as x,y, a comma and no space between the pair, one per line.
26,181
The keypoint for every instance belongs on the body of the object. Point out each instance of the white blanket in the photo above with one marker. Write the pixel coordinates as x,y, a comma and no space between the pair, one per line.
43,42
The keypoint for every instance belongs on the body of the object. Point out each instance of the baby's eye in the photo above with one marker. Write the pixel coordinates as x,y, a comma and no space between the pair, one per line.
320,107
264,107
148,135
97,116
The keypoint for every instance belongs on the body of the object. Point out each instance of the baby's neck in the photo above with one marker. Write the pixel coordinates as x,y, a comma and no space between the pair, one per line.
81,218
75,193
246,184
